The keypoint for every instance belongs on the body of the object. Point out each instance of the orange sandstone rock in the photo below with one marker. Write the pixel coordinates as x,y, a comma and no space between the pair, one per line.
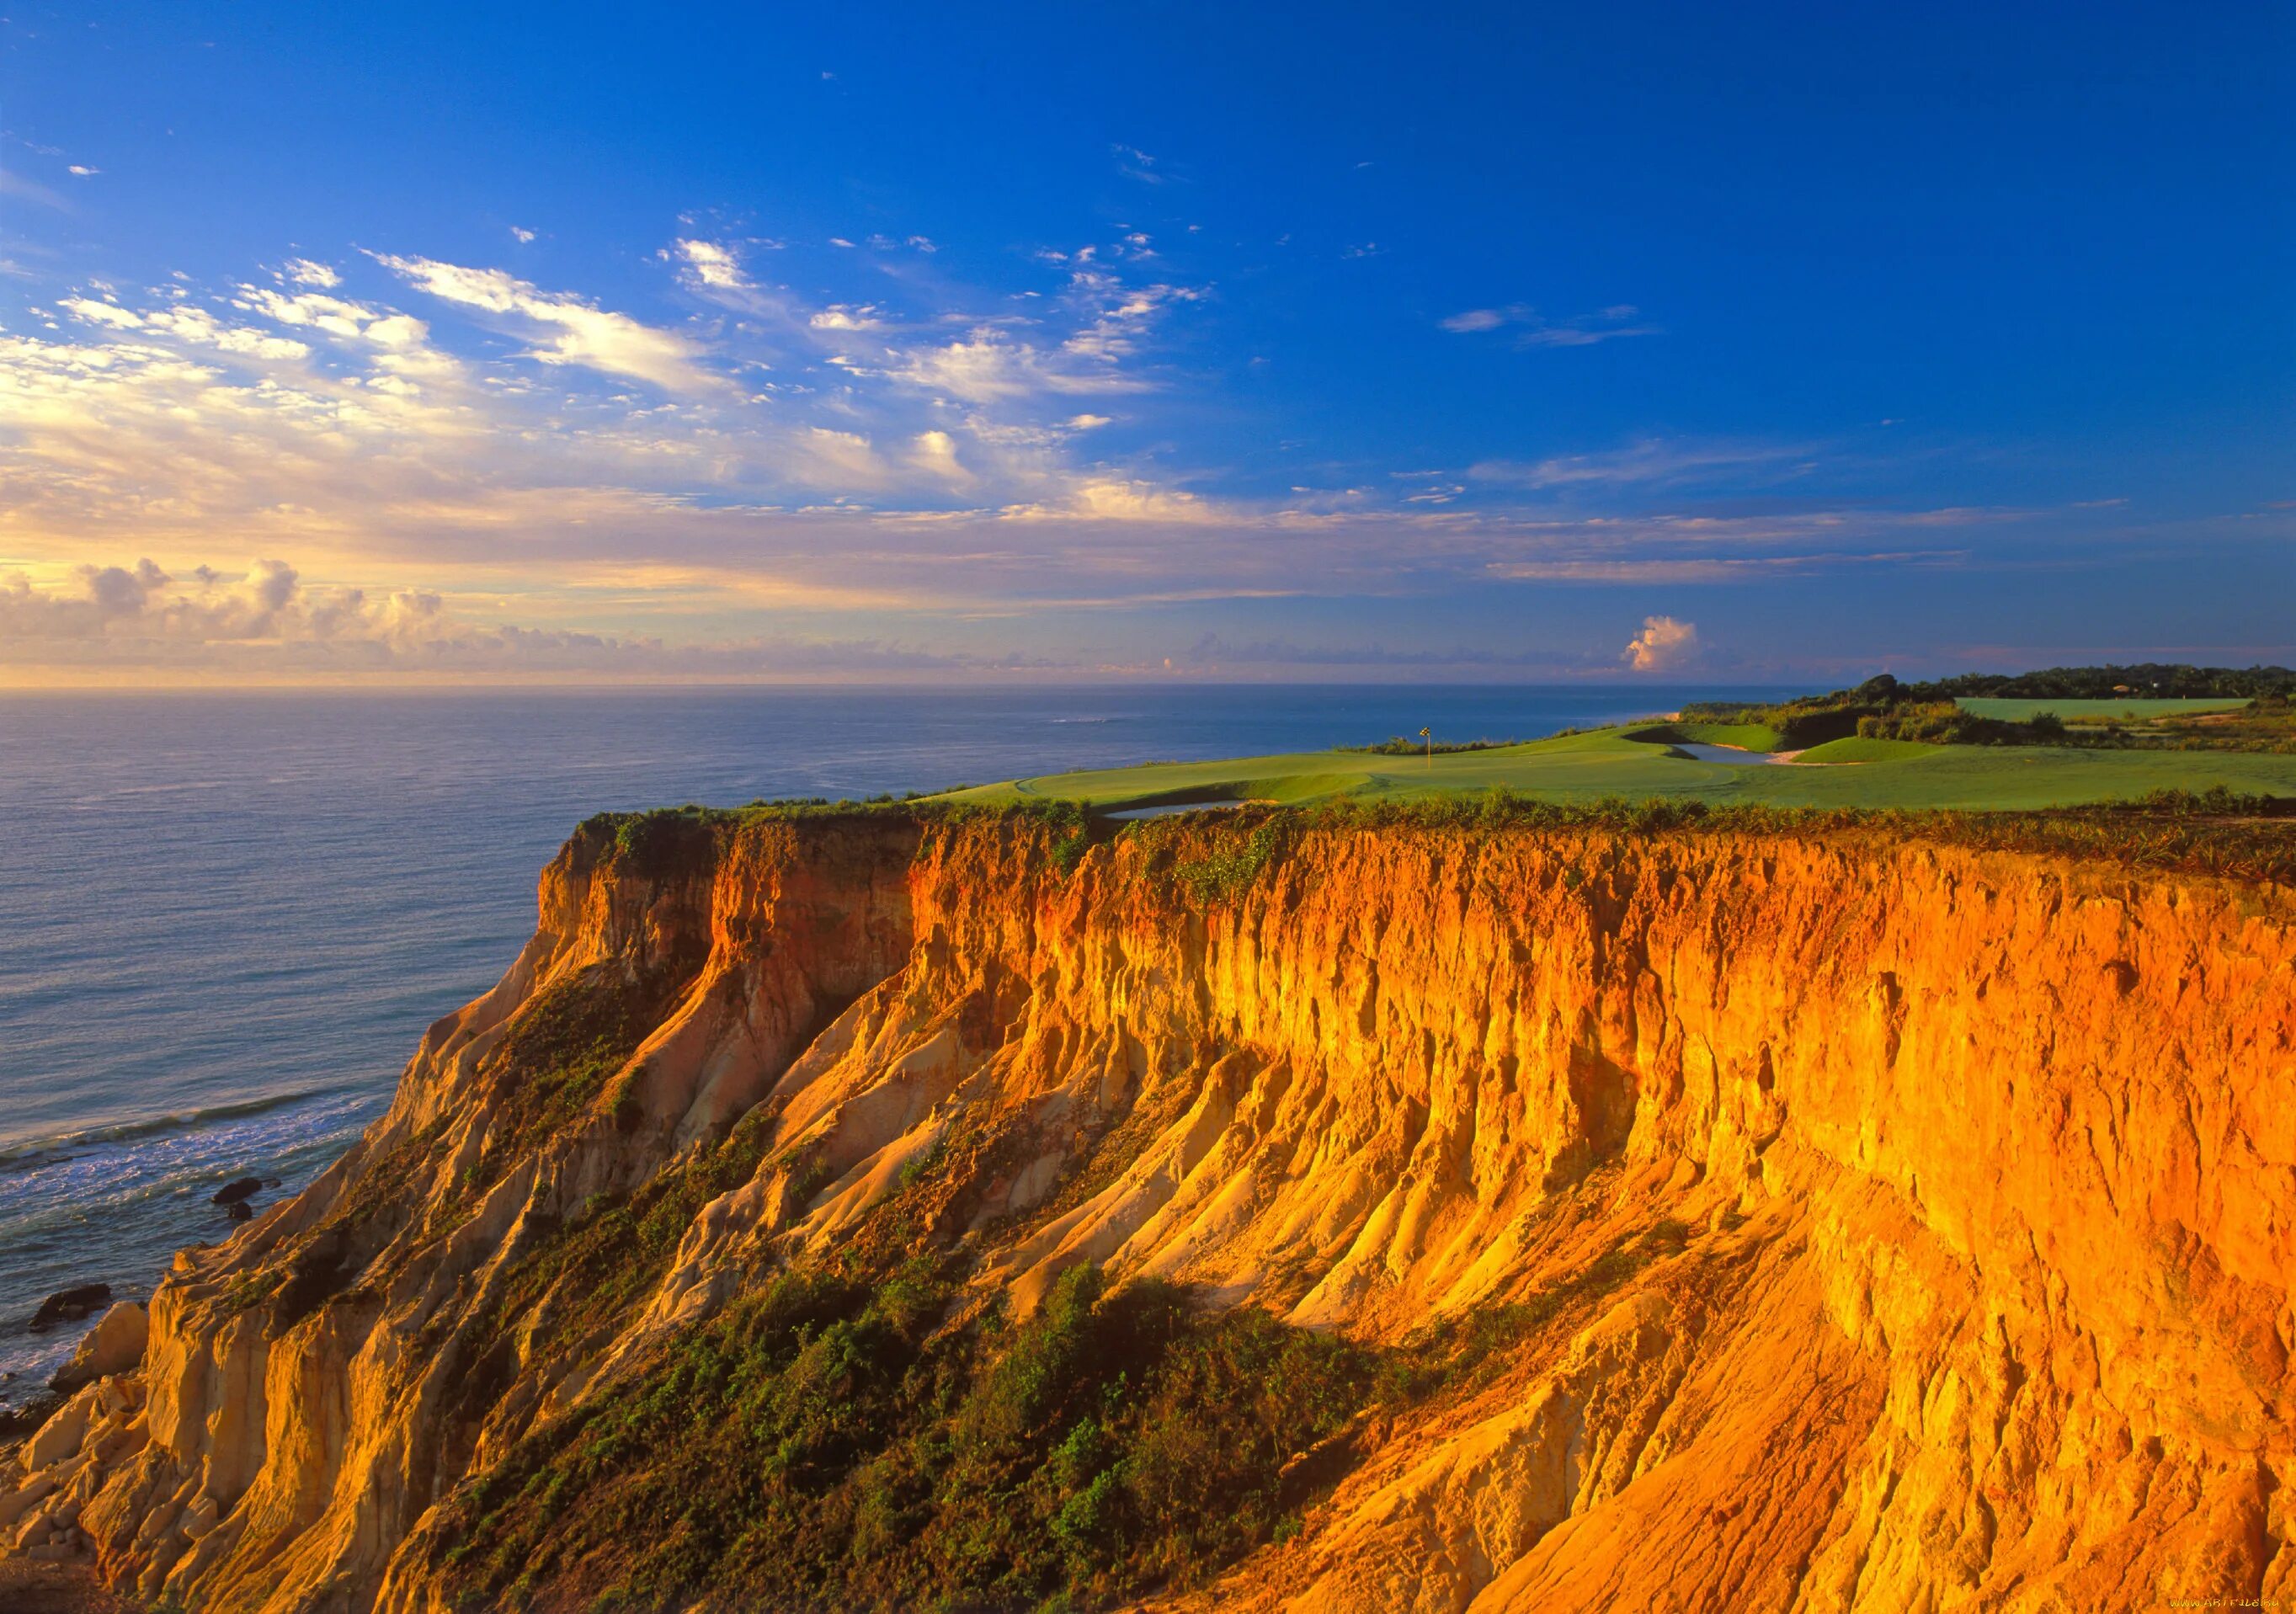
1952,1194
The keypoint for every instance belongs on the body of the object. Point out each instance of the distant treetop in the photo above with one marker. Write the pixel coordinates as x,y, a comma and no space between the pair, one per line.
2147,680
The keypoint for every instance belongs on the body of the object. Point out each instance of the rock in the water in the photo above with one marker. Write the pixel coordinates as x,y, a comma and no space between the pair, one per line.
233,1193
238,1210
70,1305
113,1346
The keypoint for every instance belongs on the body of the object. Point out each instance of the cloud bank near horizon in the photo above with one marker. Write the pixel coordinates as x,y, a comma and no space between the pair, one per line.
469,472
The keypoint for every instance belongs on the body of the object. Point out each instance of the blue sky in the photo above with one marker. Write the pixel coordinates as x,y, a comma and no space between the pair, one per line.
1565,342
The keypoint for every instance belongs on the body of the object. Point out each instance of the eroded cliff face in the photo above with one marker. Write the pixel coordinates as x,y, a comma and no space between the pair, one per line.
1844,1221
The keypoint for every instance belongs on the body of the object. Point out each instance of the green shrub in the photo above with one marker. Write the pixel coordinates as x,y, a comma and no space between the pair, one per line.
562,1050
1222,873
1403,745
828,1445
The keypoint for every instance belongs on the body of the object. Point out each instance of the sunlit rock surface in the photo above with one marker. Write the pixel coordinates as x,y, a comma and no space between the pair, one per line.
1929,1213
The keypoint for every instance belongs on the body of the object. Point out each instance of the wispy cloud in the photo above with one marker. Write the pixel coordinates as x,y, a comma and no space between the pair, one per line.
1113,499
713,263
863,473
31,190
1653,460
1659,569
1134,163
986,366
193,325
1212,652
839,316
1122,315
1474,319
574,332
1534,330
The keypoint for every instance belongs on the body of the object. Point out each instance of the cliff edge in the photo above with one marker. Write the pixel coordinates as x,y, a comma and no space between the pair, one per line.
856,1209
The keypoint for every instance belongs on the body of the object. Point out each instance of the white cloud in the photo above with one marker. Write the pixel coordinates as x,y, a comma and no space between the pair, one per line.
524,237
714,264
922,479
196,325
336,316
145,605
1117,499
266,621
303,272
1662,643
1475,319
80,170
580,334
102,314
268,625
1121,315
841,459
986,367
199,326
936,455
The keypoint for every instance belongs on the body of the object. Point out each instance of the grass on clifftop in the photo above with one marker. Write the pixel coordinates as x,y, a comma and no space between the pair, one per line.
2219,831
1636,762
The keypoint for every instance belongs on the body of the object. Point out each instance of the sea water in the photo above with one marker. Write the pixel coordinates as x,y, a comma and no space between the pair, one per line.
226,919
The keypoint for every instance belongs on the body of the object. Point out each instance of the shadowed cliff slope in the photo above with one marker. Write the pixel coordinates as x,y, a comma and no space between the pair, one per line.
850,1210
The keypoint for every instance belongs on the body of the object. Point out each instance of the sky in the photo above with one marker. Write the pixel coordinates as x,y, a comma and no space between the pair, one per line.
421,343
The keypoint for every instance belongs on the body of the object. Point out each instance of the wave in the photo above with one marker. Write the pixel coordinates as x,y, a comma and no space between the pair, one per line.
19,1155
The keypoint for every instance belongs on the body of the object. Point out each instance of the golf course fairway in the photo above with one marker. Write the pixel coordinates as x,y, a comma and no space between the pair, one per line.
1607,763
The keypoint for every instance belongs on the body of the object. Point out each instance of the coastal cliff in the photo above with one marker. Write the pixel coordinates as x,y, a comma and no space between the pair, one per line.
867,1209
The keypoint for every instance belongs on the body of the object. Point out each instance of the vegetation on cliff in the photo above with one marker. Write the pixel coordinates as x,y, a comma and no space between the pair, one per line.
862,1434
2112,708
2218,832
832,1442
2166,680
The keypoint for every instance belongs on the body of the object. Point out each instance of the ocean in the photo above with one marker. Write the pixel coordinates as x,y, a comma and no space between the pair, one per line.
226,919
